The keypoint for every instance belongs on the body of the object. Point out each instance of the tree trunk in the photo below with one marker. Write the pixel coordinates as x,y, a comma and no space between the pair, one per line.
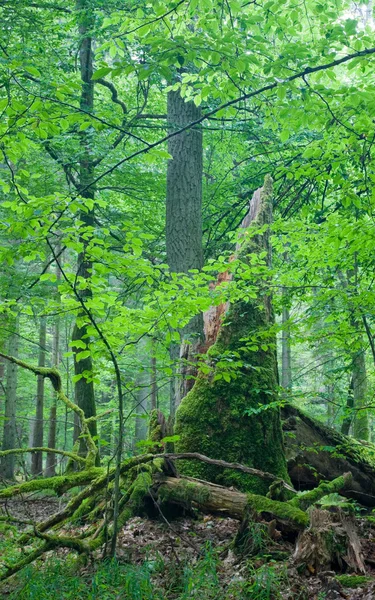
348,419
84,386
361,429
220,417
37,457
141,409
286,360
9,436
154,387
50,470
184,214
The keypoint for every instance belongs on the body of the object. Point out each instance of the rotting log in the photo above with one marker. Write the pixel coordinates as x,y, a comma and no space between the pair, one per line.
316,452
213,498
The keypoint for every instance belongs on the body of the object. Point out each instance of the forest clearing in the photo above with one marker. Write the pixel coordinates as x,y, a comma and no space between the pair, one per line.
187,300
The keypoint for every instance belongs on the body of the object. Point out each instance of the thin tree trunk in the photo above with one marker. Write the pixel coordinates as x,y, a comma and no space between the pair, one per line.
140,422
9,437
50,470
154,388
361,429
348,420
84,387
37,457
184,215
286,359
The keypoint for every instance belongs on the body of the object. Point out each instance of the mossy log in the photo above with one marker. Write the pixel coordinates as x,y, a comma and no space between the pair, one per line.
213,498
143,476
220,417
316,452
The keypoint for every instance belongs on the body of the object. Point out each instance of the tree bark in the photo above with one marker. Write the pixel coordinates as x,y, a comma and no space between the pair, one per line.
348,420
50,470
286,359
141,409
9,435
361,429
154,387
37,457
184,216
221,418
84,386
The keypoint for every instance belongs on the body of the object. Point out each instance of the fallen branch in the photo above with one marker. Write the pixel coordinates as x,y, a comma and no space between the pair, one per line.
226,465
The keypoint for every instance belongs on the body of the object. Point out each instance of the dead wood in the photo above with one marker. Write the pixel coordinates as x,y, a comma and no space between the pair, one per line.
316,452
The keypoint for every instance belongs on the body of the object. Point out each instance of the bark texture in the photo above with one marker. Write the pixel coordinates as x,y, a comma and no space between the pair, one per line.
286,359
184,218
9,434
84,387
215,418
37,457
361,429
50,469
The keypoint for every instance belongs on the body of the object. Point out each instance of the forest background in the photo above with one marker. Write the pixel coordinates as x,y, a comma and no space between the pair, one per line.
132,139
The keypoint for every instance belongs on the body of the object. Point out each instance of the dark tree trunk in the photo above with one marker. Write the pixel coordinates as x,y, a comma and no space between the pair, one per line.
84,386
9,435
286,360
154,387
348,420
50,470
184,214
37,457
361,428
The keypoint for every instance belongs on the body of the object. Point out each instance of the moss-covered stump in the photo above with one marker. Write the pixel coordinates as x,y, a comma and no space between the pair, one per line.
221,418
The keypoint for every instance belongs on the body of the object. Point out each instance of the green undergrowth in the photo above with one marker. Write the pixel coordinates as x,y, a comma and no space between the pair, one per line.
154,579
354,581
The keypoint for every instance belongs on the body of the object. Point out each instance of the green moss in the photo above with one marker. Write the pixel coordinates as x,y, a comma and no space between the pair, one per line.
344,446
186,493
353,581
225,419
309,498
283,510
212,419
58,484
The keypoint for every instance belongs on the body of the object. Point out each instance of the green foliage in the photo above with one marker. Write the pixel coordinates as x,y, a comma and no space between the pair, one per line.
142,582
353,581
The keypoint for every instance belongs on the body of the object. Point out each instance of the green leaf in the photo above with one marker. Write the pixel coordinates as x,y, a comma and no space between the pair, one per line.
102,72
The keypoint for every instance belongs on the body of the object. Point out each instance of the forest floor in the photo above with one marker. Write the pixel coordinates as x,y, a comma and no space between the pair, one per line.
185,557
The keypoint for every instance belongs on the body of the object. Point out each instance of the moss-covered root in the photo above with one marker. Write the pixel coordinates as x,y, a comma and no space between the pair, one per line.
303,501
290,516
54,376
26,560
59,484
